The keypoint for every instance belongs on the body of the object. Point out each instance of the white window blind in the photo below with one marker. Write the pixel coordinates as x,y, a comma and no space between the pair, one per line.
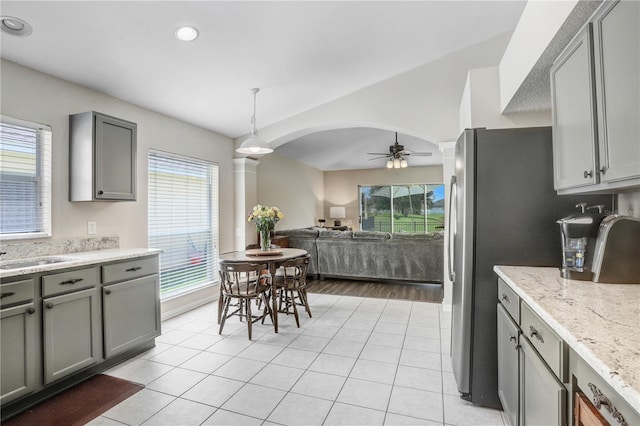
25,179
183,221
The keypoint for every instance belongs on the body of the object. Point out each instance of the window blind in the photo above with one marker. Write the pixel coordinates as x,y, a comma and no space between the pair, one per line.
25,179
183,221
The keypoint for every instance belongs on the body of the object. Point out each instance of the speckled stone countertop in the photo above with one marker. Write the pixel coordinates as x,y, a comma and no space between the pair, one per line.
598,321
72,260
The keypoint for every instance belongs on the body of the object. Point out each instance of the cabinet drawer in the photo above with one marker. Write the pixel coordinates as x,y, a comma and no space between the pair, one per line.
613,407
16,292
129,270
549,345
69,281
509,300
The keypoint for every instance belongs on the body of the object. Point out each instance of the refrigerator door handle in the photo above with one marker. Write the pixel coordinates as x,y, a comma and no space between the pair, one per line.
452,214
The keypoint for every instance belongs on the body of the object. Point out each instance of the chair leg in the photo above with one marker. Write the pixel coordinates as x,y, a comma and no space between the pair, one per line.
227,301
220,306
295,309
249,319
303,296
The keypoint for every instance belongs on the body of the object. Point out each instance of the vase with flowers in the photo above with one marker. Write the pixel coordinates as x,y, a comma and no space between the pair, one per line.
265,219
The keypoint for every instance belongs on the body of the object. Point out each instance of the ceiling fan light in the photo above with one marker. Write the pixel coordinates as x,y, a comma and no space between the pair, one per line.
403,163
396,163
390,164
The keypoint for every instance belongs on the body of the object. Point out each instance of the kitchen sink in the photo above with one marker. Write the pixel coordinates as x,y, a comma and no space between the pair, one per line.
35,261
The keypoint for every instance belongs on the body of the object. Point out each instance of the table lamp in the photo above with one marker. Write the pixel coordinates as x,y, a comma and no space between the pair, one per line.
337,213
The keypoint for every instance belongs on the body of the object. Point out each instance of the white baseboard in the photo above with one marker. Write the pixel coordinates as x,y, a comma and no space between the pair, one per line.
186,302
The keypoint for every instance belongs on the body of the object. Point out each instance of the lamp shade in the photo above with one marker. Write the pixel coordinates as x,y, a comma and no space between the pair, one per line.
337,212
254,145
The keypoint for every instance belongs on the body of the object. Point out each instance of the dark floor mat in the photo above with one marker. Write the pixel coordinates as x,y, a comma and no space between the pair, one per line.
79,404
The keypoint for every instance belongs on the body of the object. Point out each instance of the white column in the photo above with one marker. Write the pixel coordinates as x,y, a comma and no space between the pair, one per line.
246,190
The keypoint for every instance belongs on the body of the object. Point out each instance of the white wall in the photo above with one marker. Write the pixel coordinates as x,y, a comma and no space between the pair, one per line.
295,188
34,96
480,104
423,102
341,187
538,25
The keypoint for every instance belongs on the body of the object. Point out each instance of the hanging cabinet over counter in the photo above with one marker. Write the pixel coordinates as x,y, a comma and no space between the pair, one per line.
102,158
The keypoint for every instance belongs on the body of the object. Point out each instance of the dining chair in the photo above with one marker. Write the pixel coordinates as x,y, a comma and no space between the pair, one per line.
291,283
243,282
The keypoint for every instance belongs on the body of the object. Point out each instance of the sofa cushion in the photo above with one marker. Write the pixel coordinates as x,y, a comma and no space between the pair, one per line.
371,235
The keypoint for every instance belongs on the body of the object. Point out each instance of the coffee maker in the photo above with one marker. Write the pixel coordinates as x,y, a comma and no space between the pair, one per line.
579,234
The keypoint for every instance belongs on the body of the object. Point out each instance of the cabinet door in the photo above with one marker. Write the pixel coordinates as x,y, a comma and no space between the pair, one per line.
131,314
616,33
115,162
544,399
71,333
573,108
17,351
508,365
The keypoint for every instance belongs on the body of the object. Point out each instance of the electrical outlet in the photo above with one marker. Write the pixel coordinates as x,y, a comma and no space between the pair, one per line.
91,228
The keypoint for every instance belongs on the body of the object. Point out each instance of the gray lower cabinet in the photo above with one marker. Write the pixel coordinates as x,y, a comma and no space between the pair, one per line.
508,366
544,398
532,361
131,314
18,361
71,333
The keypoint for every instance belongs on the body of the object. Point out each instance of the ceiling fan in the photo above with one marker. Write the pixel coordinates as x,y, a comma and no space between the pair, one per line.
396,156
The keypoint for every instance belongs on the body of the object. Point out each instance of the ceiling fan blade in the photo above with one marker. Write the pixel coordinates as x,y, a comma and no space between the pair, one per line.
377,153
421,154
377,158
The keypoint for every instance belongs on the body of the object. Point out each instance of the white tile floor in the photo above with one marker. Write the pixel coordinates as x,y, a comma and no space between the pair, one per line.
359,361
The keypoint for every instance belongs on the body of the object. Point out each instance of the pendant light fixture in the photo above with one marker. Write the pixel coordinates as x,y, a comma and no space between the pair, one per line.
253,145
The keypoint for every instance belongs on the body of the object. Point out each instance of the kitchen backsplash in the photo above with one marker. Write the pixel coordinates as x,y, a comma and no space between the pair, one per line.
629,204
24,249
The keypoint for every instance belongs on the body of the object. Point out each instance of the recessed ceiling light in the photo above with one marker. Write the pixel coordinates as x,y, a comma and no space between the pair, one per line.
14,26
186,33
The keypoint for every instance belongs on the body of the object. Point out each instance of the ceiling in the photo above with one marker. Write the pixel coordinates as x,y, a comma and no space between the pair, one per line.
301,54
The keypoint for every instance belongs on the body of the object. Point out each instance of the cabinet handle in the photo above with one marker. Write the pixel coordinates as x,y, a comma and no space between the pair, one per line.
506,298
7,294
534,332
602,170
31,311
71,282
49,305
599,400
512,338
100,192
135,268
588,174
107,292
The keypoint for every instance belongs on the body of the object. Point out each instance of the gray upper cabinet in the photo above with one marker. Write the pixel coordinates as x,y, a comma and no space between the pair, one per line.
574,133
595,93
102,158
616,35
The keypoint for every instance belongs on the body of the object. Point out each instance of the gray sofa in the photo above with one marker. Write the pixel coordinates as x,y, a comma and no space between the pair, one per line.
371,255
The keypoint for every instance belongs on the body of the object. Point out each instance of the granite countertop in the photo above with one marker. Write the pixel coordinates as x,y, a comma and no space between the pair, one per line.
598,321
72,260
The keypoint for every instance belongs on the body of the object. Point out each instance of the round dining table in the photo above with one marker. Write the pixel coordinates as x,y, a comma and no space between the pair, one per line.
272,258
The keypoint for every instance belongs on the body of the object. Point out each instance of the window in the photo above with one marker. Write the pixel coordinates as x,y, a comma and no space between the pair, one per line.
183,221
25,179
402,208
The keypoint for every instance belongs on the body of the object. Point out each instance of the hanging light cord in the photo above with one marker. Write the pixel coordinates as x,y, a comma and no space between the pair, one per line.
254,132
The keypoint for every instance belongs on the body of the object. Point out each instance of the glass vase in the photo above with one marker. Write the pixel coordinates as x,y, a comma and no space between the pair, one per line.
265,239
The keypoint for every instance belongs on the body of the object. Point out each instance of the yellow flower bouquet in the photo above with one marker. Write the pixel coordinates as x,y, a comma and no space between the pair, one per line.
265,219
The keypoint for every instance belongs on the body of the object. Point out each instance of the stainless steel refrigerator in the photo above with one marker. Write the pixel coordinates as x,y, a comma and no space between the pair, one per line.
503,211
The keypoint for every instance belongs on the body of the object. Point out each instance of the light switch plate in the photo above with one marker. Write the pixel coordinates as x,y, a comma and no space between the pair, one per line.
91,228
